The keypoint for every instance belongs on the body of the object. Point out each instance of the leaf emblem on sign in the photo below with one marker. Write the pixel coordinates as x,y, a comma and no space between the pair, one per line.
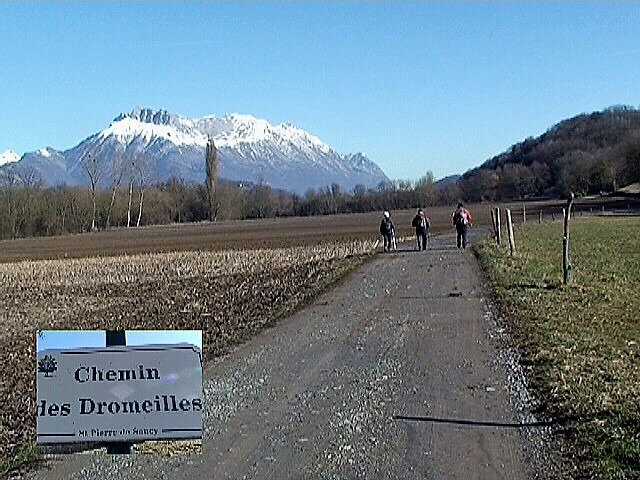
47,365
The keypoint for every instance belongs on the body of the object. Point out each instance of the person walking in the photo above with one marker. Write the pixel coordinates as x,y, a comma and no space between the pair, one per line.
388,231
421,223
462,220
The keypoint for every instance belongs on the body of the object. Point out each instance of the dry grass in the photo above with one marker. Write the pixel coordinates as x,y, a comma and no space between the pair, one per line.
226,294
582,342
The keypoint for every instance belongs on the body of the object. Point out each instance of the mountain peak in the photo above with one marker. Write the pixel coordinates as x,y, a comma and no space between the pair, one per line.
243,117
9,157
46,151
146,125
247,128
149,115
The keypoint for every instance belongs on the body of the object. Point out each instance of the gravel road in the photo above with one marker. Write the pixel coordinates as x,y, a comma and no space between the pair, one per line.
316,396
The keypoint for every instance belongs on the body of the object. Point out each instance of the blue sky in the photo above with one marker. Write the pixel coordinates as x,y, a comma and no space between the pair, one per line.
417,86
50,339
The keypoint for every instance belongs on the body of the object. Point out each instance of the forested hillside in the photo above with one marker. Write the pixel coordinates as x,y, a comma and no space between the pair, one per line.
585,154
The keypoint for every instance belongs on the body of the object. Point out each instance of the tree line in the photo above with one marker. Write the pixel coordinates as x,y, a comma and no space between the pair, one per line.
127,198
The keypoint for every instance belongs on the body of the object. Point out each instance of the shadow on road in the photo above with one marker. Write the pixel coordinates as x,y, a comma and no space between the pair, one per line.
475,423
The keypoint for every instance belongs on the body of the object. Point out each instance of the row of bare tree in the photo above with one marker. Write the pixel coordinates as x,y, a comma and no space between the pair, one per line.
132,171
129,199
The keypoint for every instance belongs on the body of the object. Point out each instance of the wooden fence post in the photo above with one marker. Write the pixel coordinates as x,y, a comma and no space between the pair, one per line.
553,216
498,233
566,261
493,223
524,215
512,243
540,216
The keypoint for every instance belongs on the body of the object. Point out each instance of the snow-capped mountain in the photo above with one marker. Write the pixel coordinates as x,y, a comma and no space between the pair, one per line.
251,150
9,157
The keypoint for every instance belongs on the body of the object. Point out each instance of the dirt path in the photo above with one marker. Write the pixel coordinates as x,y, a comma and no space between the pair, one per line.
316,396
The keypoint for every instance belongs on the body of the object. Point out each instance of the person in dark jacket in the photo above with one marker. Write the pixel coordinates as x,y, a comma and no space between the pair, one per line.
462,220
421,223
388,231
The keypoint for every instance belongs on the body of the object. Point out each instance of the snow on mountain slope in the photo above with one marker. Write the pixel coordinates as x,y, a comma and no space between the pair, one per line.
251,150
9,157
231,131
129,129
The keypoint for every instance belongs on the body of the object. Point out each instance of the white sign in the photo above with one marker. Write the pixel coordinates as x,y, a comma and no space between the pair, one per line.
116,394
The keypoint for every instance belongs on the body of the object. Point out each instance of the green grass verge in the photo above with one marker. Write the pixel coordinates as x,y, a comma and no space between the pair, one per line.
582,342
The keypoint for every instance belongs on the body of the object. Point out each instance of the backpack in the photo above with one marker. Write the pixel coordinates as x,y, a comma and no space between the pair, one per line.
421,222
461,217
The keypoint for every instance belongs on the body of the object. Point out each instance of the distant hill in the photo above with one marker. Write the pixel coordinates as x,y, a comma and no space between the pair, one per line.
585,154
447,181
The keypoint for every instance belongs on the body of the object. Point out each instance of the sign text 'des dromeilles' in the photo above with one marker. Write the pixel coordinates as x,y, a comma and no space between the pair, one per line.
115,394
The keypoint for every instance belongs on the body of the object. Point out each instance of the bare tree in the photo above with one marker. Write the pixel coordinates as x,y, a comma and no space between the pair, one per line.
337,198
143,170
8,182
95,171
425,189
231,202
66,199
117,165
261,202
212,164
27,190
132,178
30,178
176,189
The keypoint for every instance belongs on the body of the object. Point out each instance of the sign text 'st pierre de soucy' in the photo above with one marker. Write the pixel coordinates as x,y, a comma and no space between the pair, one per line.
116,394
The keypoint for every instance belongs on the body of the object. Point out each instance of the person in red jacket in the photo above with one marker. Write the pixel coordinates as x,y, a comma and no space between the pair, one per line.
462,220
